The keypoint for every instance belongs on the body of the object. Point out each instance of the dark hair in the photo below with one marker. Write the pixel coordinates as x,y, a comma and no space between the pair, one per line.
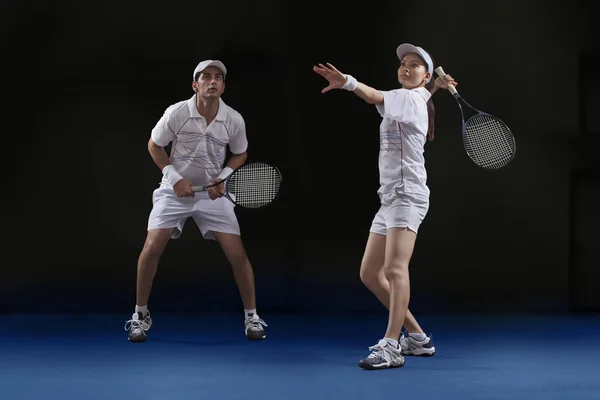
430,107
430,110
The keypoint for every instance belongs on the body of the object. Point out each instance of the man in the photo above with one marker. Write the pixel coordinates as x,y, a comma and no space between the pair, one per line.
200,129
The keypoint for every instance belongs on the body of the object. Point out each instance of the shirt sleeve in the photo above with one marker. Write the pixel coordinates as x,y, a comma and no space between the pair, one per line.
238,143
163,132
402,105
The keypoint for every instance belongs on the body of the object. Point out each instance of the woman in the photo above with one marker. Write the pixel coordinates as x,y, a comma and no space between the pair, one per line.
407,124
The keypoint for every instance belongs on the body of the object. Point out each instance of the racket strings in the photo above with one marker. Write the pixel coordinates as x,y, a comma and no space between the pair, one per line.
254,185
489,142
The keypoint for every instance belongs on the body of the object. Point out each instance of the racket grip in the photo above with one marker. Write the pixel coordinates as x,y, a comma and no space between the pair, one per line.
441,73
199,188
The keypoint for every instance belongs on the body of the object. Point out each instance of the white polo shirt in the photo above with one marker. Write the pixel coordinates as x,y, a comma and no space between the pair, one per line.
403,133
198,151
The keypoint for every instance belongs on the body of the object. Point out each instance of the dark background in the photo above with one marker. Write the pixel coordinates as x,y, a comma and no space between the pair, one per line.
85,82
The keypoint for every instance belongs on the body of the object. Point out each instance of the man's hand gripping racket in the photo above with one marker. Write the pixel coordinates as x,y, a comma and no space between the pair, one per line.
253,185
488,141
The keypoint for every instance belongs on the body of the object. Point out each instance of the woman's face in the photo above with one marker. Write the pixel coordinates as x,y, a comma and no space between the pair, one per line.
412,72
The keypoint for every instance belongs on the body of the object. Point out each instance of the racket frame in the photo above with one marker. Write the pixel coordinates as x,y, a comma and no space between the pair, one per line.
440,71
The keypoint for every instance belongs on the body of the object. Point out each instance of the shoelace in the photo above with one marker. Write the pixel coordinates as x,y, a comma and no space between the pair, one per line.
377,351
254,324
136,325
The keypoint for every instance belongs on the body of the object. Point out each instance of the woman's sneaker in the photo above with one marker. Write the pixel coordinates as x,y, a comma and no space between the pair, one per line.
413,347
255,327
137,326
383,355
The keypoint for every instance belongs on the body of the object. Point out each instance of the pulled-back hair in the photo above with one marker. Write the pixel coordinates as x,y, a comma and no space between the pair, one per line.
430,111
430,107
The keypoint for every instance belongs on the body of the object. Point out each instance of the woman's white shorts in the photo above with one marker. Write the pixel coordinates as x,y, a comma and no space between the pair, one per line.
403,212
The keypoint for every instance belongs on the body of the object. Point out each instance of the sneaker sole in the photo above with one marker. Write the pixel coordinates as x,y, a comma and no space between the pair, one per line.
263,337
141,340
371,367
420,353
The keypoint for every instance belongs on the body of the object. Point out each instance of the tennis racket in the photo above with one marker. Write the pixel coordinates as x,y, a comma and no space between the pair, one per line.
253,185
488,141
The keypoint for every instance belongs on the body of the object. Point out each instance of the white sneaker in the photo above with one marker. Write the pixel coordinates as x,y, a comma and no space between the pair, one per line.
137,326
413,347
382,356
254,327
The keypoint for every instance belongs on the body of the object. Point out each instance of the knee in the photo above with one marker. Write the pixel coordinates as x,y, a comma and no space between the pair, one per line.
369,276
396,271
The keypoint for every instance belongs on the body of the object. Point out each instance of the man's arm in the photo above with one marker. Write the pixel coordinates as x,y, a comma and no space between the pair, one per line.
238,146
158,154
181,186
237,160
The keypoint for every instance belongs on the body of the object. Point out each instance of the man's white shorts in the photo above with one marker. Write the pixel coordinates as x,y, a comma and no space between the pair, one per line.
403,212
170,211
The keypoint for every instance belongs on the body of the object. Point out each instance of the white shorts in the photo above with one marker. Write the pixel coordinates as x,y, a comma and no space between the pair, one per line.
170,211
403,212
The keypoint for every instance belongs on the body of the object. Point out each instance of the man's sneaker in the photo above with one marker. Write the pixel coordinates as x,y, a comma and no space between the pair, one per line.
137,326
254,327
413,347
382,356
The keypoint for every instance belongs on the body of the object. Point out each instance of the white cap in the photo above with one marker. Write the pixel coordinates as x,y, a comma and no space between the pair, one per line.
209,63
406,48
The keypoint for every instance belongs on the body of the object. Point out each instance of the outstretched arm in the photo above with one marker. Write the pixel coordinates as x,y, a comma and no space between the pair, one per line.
337,80
368,94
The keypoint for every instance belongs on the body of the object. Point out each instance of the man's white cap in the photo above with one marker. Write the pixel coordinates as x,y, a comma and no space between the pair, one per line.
209,63
406,48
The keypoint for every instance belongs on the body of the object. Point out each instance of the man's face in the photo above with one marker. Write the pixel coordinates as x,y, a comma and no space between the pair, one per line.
210,83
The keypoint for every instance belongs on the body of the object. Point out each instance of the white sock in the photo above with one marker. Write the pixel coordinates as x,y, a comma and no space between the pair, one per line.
418,336
392,342
142,309
251,311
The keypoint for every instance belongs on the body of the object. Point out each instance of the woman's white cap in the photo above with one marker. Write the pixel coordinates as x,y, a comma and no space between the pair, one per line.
406,48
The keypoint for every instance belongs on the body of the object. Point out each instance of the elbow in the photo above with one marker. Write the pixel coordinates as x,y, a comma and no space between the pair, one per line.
242,157
376,98
153,147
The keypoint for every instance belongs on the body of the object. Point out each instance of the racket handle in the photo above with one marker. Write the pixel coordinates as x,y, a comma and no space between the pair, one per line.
441,73
199,188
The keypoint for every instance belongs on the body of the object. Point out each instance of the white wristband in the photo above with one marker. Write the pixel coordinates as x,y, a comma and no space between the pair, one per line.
225,173
350,83
171,175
